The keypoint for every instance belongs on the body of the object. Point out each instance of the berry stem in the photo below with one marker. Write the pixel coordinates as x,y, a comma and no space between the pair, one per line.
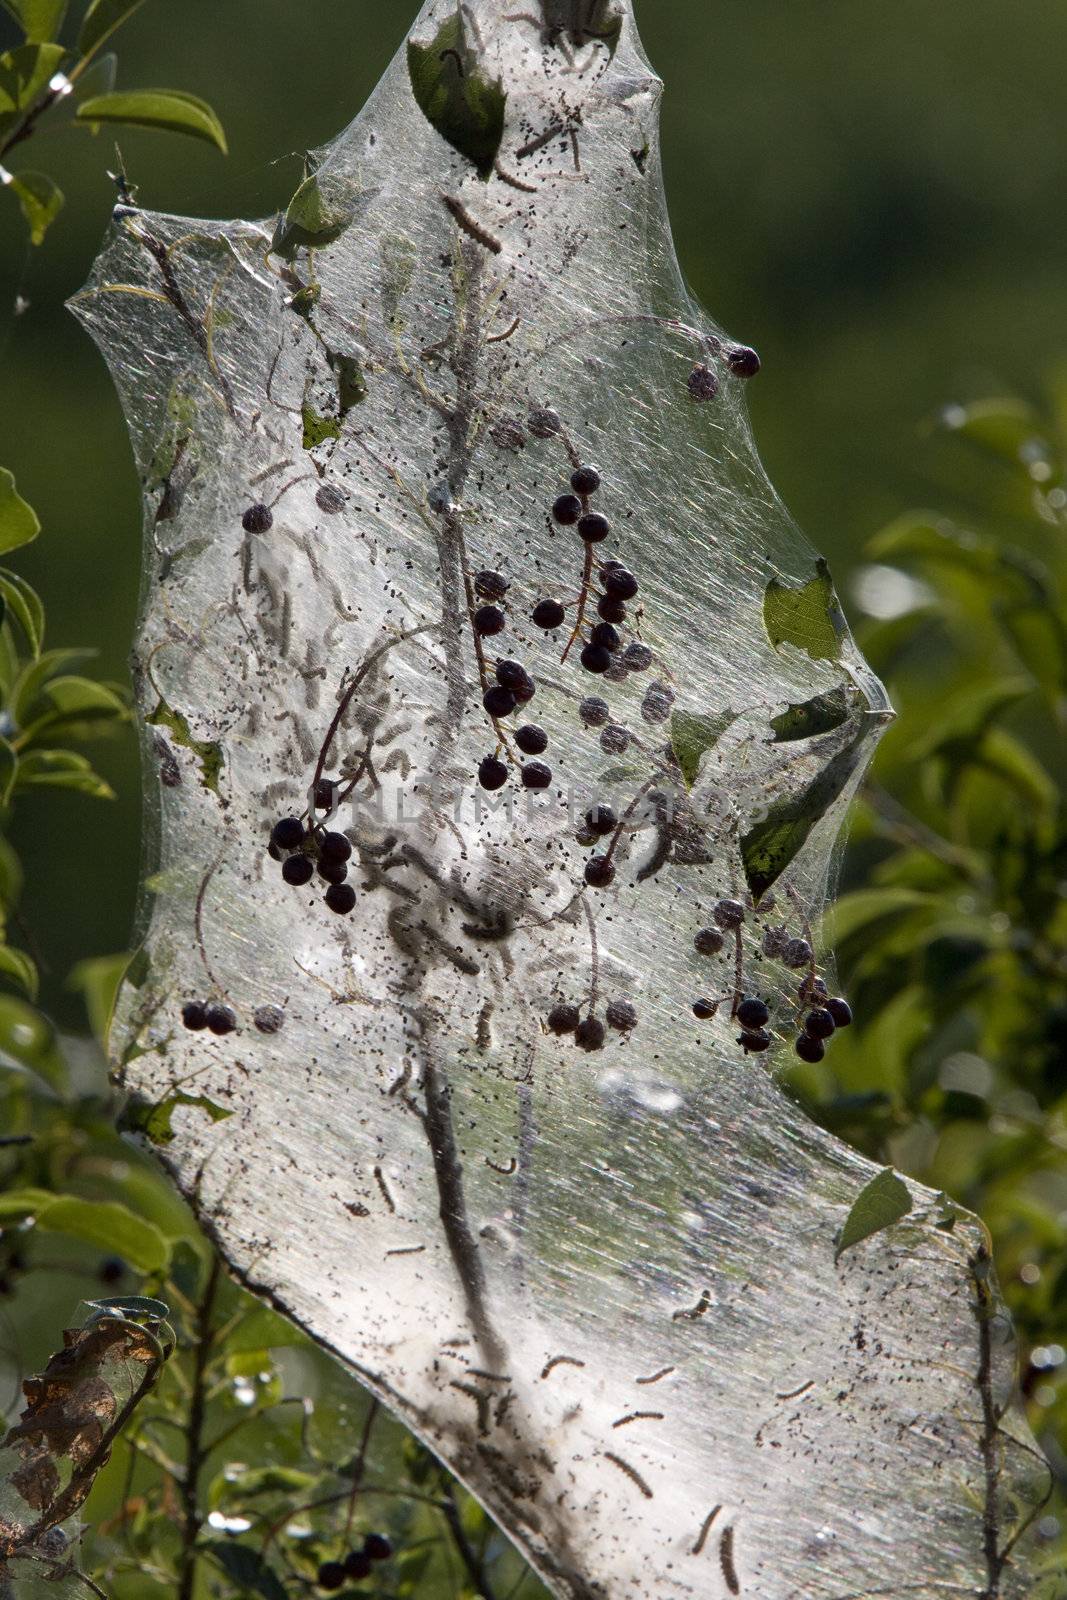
648,784
594,955
198,920
583,599
739,957
346,699
812,974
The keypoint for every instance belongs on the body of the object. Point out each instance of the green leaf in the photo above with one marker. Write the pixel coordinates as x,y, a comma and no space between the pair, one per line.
109,1226
693,733
9,767
40,20
170,110
18,521
1039,637
62,769
317,429
878,1205
25,605
130,1308
97,980
208,752
24,74
808,617
29,1039
33,677
240,1486
772,843
965,717
16,964
101,20
74,697
311,221
246,1568
155,1121
263,1329
41,200
455,96
351,384
1011,430
822,714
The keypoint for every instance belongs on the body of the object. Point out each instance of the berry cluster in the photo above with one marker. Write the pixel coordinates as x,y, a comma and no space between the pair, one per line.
513,688
824,1014
217,1018
305,850
357,1564
589,1033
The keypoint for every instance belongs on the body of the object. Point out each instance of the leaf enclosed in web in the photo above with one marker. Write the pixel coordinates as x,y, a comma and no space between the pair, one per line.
454,94
311,220
822,714
808,617
878,1205
693,734
154,1121
772,843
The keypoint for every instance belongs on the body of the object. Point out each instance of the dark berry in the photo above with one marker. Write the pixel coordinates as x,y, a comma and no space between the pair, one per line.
563,1019
567,509
709,941
535,775
326,794
742,360
377,1546
492,774
258,518
729,913
490,585
297,871
498,701
809,1049
331,1575
703,384
796,953
774,941
340,897
752,1013
333,871
273,851
544,422
616,673
840,1010
335,847
656,706
819,1024
288,834
754,1039
593,527
507,434
615,739
590,1034
547,614
621,1015
585,480
358,1564
514,676
593,711
637,657
600,819
620,583
599,872
704,1009
221,1019
194,1015
113,1270
610,609
765,903
330,500
489,620
605,636
595,658
531,739
269,1019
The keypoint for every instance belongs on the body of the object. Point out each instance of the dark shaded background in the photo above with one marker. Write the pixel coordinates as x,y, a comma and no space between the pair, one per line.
872,195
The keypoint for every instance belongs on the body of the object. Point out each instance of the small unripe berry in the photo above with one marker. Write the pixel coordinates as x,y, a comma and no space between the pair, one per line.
258,518
490,585
194,1015
221,1019
563,1019
809,1049
288,833
840,1010
593,711
585,480
599,872
620,583
709,941
594,527
341,898
498,701
492,774
531,740
729,913
547,614
590,1034
752,1013
297,871
595,658
536,775
489,620
819,1024
567,509
621,1015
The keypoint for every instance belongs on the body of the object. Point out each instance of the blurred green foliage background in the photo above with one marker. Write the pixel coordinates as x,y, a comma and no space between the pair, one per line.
874,199
871,196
